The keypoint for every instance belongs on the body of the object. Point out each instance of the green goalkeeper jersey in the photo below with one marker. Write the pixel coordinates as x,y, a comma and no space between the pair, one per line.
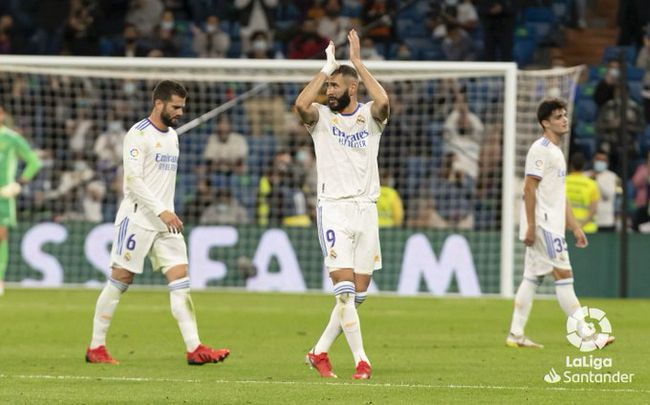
12,147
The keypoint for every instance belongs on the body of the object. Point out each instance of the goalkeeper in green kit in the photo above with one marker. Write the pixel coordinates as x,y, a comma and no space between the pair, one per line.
12,147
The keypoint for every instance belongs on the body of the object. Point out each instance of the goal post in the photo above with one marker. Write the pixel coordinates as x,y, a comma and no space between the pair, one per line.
452,150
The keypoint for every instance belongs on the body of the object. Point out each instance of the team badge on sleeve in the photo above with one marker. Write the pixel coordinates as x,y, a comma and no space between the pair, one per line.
539,164
134,153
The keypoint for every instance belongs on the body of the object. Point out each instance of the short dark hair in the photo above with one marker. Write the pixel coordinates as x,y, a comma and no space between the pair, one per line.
577,161
346,70
165,89
547,107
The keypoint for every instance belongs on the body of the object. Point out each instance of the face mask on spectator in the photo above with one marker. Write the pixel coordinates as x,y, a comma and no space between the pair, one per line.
404,55
600,166
259,45
614,72
129,87
115,126
167,25
211,28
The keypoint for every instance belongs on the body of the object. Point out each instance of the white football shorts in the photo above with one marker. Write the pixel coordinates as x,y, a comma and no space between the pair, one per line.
132,244
349,235
549,251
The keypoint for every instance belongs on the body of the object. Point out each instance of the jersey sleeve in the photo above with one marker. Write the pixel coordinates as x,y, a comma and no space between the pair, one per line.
32,162
379,126
536,162
135,151
312,128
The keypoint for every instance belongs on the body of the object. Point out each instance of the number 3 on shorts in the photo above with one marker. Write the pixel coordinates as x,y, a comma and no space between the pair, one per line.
560,244
130,242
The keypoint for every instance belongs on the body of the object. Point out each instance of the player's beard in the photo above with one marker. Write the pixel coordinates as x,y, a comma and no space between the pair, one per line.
339,103
168,120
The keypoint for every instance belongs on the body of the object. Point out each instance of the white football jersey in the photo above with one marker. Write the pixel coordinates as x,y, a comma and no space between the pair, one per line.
346,147
150,163
545,161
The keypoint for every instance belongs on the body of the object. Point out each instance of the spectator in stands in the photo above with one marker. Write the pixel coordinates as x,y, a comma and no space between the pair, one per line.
489,183
199,201
453,192
166,37
255,15
79,34
606,86
463,135
8,38
458,45
260,47
423,214
211,41
463,15
145,15
108,148
266,113
281,200
608,124
390,210
609,187
306,160
333,25
226,150
641,182
403,52
80,128
368,50
498,18
225,210
131,44
582,192
49,21
643,62
378,13
78,195
308,43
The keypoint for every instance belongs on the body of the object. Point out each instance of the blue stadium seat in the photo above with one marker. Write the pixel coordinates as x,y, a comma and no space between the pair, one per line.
523,50
260,153
540,14
634,73
561,9
586,90
645,142
587,146
235,49
585,130
612,52
635,91
596,72
586,110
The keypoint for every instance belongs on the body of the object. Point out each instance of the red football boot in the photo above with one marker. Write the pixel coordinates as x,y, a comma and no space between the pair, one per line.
363,371
321,363
99,355
204,354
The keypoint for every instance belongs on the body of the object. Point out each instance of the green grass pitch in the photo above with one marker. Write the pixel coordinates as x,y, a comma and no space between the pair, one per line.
423,351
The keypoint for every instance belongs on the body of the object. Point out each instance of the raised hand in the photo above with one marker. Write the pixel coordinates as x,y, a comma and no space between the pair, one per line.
355,46
331,65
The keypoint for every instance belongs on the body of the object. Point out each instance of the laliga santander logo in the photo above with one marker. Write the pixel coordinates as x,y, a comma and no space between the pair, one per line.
592,338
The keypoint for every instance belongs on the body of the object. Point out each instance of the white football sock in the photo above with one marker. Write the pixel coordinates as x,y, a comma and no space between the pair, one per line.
183,311
104,310
566,296
333,328
523,305
349,318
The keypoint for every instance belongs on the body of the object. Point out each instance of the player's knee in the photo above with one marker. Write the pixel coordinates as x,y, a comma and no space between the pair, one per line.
122,275
344,292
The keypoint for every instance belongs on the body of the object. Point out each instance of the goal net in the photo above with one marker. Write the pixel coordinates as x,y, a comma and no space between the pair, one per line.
246,175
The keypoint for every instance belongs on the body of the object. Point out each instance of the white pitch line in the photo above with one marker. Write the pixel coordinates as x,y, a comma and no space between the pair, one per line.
298,383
